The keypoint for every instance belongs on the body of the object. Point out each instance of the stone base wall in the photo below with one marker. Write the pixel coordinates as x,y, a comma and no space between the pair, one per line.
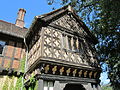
58,85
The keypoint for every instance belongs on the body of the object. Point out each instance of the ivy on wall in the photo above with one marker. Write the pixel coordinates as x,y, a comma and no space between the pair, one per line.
32,83
22,64
33,86
12,82
16,83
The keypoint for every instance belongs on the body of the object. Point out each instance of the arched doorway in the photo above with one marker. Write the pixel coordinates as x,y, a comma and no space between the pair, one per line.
74,87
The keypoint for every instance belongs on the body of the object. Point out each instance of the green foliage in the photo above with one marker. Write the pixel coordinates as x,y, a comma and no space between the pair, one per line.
9,83
5,87
102,17
108,32
36,86
19,83
33,84
22,64
32,79
106,88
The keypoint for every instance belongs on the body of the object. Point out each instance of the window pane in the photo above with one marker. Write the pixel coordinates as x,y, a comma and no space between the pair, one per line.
2,44
81,46
69,43
64,41
74,44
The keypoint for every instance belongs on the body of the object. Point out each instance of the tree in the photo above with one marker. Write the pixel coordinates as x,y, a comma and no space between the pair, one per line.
102,17
106,87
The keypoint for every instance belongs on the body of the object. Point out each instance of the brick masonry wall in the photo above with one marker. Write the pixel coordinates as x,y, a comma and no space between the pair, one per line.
12,55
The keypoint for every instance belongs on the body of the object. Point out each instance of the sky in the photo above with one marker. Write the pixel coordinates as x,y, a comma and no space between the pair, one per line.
104,76
9,9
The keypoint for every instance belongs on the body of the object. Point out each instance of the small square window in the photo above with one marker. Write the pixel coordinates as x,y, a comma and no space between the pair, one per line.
2,45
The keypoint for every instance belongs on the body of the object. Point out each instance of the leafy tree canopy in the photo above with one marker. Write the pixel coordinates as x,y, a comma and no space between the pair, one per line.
102,17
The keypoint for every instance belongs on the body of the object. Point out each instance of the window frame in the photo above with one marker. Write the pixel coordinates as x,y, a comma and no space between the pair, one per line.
69,41
2,51
72,43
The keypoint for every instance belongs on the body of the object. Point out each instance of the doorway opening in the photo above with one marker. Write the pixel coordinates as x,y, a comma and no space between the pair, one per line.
74,87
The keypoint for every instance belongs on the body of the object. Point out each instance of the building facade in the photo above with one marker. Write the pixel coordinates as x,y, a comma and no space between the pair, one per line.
12,52
61,53
56,53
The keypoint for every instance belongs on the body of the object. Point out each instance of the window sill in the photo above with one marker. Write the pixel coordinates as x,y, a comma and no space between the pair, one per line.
73,51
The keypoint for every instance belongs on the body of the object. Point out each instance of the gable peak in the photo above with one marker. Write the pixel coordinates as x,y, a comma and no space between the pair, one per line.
70,8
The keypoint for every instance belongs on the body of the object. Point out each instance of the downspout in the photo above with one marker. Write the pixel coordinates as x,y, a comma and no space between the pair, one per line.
26,54
25,62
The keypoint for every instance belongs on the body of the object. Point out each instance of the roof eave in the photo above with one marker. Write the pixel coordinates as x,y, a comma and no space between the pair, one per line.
49,16
31,26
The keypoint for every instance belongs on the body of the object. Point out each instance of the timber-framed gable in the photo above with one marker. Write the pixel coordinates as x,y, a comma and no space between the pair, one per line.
61,47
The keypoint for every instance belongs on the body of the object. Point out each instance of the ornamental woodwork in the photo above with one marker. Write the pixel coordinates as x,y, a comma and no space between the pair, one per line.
90,74
62,49
74,72
61,70
85,73
54,69
34,53
80,73
46,68
69,22
61,45
49,69
68,71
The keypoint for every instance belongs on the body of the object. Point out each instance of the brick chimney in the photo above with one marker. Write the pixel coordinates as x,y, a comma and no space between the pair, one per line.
20,18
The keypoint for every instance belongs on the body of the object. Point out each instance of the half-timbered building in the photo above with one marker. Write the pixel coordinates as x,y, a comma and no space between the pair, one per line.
61,52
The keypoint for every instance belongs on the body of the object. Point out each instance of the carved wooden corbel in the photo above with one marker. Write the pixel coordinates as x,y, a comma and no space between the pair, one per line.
74,72
80,73
47,68
61,70
90,74
68,71
85,73
54,69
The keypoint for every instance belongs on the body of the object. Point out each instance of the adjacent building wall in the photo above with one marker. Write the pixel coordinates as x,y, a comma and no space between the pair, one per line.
12,55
